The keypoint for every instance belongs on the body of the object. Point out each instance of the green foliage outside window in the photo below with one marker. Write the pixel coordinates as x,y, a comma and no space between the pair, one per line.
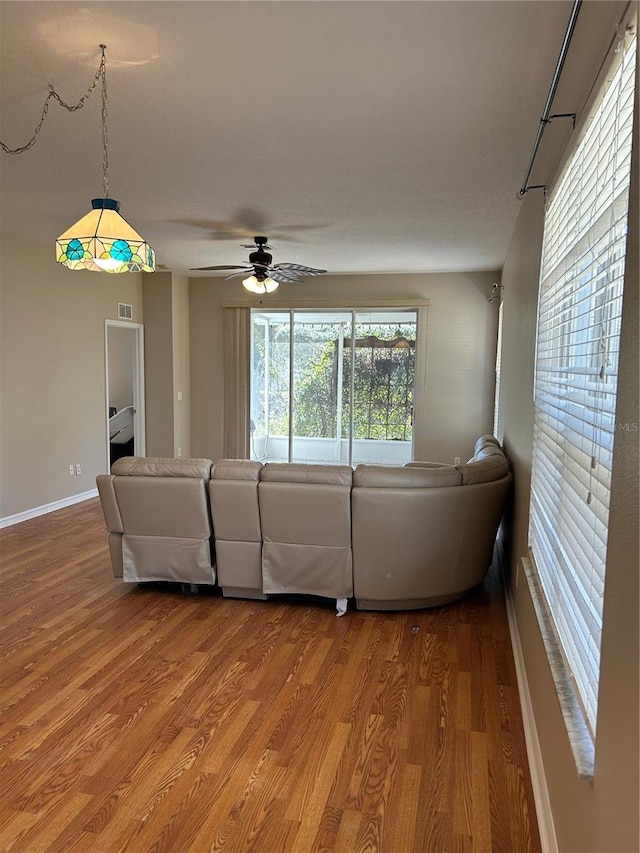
384,364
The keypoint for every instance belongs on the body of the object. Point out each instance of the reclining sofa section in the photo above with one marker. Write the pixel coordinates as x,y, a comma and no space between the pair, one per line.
394,538
158,518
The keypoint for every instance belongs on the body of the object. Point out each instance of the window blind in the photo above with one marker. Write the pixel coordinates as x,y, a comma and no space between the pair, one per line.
578,333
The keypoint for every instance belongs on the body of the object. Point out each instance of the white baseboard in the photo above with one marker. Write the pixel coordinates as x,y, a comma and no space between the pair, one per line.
546,828
45,508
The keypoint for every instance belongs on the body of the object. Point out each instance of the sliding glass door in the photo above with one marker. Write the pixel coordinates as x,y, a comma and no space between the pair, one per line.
333,386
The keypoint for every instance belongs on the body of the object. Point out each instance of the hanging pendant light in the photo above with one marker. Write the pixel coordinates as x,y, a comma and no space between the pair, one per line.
103,240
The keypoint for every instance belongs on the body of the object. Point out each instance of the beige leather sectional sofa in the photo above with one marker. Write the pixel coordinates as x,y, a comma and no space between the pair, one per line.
390,537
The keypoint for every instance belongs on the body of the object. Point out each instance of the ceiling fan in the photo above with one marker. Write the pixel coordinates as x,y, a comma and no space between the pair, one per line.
264,276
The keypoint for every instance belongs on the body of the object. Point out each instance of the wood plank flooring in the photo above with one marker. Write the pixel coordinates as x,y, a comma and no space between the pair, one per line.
144,720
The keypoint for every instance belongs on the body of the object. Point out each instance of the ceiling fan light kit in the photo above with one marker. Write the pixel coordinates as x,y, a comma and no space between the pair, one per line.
260,284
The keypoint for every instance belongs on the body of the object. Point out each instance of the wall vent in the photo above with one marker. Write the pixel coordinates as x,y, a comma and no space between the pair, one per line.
125,312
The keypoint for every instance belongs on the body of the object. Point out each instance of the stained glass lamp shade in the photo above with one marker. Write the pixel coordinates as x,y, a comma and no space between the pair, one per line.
104,242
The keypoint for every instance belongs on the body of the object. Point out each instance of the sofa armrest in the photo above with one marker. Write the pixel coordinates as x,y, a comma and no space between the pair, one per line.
107,493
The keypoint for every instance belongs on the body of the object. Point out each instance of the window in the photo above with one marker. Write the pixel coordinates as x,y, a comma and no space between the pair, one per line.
333,386
579,311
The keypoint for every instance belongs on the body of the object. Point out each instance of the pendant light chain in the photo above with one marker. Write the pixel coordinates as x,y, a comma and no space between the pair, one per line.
105,137
53,95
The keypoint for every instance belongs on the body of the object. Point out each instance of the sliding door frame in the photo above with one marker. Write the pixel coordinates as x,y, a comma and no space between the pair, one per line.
419,306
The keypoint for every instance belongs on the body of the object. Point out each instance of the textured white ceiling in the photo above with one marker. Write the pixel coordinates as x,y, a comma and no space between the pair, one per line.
359,136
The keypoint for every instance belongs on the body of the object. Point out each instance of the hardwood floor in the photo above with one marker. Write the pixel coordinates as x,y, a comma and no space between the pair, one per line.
145,720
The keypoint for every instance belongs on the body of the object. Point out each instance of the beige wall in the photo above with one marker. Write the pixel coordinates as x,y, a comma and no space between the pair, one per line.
167,363
181,367
599,816
157,293
460,350
52,373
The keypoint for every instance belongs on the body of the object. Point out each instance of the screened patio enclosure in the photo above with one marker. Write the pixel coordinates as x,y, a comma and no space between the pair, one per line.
333,386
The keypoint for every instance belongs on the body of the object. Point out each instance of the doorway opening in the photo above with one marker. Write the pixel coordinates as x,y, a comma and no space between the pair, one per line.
124,384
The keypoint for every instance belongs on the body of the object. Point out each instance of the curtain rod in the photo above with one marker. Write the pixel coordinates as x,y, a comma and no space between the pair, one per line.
545,119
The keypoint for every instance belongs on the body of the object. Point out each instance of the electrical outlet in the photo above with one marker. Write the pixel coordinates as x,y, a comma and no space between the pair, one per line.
71,470
179,451
456,460
78,469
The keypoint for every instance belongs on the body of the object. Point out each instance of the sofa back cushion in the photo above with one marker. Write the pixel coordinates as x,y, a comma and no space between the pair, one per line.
484,471
233,490
156,466
486,441
408,477
292,472
161,506
488,464
236,469
306,504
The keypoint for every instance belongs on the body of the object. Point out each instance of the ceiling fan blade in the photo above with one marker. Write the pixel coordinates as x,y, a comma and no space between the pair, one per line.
255,246
223,267
282,280
240,274
284,276
302,270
